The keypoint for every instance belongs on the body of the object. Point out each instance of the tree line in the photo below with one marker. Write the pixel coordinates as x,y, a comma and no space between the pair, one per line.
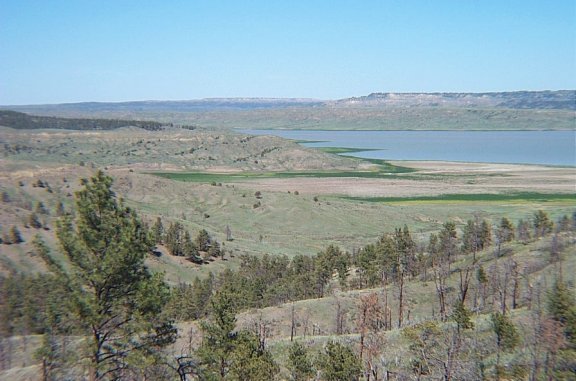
22,121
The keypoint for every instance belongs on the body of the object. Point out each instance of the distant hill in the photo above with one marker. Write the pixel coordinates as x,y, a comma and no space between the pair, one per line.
558,100
198,105
24,121
520,110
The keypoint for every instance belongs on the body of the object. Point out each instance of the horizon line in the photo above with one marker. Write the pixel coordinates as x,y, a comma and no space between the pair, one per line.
297,99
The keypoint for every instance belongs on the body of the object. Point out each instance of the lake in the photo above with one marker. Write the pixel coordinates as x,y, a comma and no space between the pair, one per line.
522,147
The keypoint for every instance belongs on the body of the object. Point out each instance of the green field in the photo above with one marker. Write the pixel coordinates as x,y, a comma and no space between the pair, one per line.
204,177
478,197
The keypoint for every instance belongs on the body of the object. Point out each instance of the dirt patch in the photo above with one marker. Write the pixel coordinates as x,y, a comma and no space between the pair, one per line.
433,178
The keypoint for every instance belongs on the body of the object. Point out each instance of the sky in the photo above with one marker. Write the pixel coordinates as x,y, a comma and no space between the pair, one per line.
55,51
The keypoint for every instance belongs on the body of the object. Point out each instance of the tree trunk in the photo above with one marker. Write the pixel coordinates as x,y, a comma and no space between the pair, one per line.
293,324
401,299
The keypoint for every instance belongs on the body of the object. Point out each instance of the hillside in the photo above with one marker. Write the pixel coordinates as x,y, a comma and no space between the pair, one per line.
558,100
518,276
522,110
172,149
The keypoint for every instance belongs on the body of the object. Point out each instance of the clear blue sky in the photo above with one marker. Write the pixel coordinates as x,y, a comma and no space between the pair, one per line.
115,50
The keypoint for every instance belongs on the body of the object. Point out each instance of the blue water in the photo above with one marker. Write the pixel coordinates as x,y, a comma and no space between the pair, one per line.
525,147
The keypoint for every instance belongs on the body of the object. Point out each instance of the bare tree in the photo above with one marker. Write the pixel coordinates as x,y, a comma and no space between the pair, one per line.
440,271
341,313
370,319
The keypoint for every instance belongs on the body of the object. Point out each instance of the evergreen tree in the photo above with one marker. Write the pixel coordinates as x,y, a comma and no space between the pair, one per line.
506,334
470,237
338,362
485,234
15,235
41,209
174,238
114,297
299,364
542,224
507,337
218,343
462,316
158,231
325,265
447,240
369,265
250,361
505,230
203,240
405,249
189,249
34,221
562,308
214,250
481,275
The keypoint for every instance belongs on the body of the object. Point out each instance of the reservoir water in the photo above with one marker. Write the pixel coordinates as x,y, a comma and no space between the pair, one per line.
522,147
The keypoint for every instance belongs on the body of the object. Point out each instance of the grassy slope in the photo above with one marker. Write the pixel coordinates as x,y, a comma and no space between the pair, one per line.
173,149
421,302
285,223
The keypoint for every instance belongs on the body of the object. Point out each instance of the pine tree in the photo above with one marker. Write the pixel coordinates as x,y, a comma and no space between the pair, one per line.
462,316
189,249
470,237
15,235
114,297
485,234
203,240
250,361
214,250
158,231
218,341
174,238
505,230
562,308
41,208
299,364
542,224
34,221
447,240
507,337
338,362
